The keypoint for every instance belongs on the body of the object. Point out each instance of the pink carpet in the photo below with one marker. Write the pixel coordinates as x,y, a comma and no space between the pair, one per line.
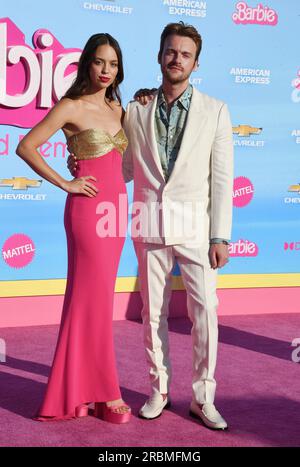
258,387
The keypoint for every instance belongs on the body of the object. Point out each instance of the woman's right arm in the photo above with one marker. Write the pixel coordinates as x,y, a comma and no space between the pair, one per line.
61,114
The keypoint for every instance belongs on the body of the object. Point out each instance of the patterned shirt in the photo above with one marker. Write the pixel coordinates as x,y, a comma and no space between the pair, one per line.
169,128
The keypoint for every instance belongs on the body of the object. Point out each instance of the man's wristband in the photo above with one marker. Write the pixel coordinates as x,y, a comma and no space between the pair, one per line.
219,240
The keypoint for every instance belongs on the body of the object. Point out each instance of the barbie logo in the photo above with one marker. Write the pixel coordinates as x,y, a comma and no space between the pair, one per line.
263,15
243,248
32,79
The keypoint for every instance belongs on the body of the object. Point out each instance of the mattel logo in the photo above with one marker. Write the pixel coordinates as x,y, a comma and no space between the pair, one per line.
243,191
262,15
293,246
243,248
18,250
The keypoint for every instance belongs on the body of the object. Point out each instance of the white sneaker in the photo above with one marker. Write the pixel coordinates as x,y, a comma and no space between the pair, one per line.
209,416
154,406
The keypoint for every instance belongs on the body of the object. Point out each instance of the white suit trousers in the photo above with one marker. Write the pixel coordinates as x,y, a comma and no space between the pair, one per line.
156,263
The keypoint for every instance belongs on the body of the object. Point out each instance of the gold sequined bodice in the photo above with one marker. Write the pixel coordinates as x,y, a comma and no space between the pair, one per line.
94,142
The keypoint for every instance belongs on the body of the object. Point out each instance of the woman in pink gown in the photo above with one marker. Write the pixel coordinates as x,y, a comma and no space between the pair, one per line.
90,114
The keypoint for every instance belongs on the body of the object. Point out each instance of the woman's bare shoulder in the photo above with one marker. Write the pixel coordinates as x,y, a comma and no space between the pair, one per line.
69,104
116,105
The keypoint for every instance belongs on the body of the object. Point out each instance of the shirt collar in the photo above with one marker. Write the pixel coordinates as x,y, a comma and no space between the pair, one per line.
184,99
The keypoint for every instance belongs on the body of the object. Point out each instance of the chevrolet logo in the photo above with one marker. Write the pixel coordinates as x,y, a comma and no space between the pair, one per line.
295,188
20,183
245,130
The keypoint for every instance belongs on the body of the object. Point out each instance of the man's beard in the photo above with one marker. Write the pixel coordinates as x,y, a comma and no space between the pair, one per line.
174,79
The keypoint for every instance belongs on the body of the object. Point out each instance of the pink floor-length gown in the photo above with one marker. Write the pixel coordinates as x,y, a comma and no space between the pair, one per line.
84,366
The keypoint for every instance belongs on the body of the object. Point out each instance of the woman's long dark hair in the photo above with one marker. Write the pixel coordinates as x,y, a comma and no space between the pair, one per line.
82,81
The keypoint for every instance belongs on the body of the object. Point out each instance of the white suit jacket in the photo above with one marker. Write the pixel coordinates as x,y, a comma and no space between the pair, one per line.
195,204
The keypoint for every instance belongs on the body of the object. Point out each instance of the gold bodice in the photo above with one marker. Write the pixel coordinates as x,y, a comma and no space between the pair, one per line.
94,142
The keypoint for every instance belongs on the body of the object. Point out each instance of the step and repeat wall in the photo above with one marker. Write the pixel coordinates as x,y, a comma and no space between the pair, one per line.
249,59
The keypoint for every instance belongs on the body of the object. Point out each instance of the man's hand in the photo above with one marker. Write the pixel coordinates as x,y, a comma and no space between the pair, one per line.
72,164
143,96
218,255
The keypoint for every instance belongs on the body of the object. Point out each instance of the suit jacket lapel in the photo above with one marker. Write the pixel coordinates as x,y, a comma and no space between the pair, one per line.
196,119
147,115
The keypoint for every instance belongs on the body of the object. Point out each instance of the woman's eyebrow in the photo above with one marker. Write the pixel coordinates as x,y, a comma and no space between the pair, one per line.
100,58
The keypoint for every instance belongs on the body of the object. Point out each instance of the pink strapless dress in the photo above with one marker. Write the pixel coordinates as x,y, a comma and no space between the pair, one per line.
84,366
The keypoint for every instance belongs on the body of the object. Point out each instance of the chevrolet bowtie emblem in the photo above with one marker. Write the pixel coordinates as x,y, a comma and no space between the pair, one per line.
295,188
245,130
20,183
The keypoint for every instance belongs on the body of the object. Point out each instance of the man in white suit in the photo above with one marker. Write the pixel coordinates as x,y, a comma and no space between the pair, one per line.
180,157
